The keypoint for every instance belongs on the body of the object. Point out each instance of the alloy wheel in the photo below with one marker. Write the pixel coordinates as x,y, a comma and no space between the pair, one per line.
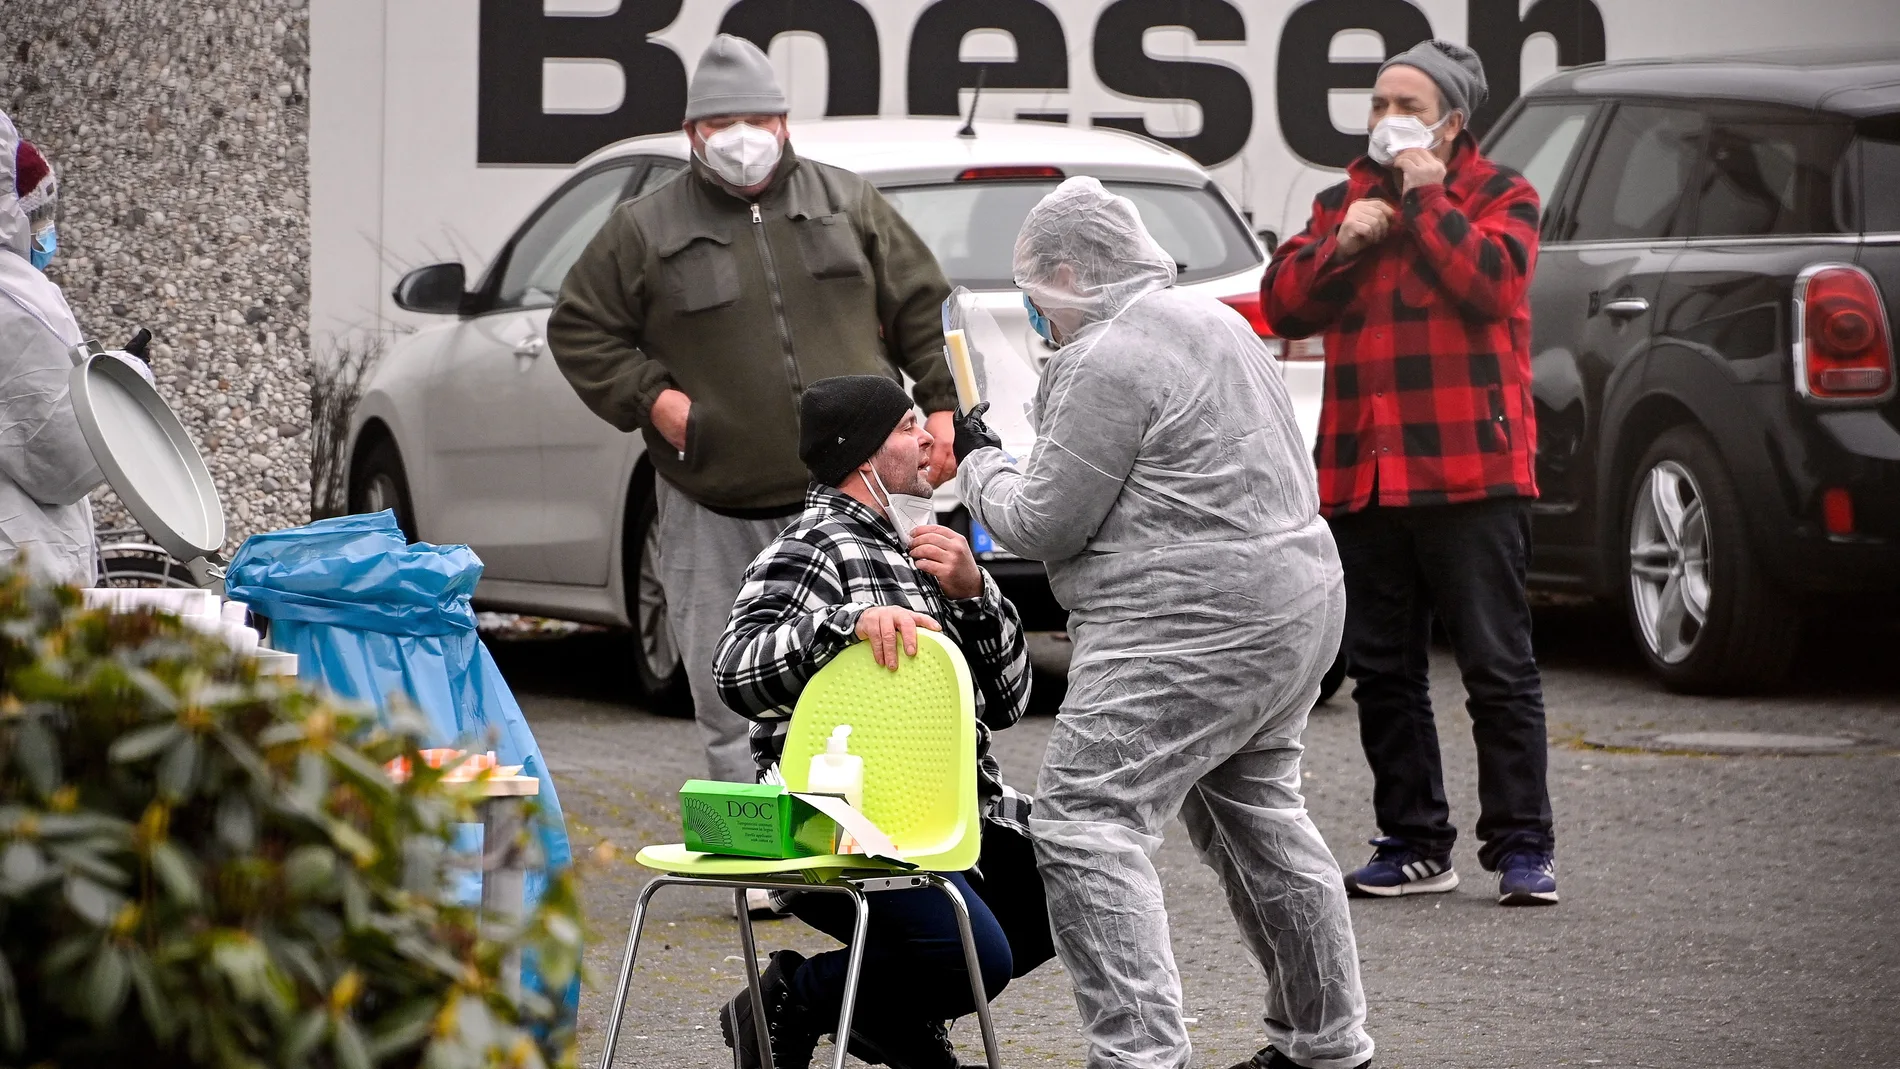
380,493
1669,561
656,634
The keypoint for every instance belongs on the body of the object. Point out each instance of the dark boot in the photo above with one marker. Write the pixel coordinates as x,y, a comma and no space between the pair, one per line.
792,1027
904,1045
1268,1058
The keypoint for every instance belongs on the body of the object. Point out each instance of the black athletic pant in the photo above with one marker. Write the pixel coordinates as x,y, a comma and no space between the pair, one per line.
1465,564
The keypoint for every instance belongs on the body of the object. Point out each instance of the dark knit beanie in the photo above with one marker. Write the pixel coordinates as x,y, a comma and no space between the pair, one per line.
843,421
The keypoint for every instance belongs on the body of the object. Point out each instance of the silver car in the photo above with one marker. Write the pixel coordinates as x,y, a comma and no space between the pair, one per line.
468,430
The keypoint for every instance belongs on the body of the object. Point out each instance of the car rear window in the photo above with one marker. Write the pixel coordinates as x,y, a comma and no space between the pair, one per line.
1871,175
1759,178
972,226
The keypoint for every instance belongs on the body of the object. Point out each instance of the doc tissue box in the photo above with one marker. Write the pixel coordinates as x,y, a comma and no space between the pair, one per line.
752,820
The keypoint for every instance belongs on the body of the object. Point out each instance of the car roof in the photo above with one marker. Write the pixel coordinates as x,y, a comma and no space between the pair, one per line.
1853,81
891,151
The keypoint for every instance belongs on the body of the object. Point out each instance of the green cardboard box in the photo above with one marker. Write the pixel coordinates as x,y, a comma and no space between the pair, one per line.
752,820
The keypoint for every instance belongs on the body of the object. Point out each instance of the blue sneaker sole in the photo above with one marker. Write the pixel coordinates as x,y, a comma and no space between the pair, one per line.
1528,898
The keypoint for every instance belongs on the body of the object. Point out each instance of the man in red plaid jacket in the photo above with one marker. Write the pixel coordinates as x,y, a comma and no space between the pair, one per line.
1417,271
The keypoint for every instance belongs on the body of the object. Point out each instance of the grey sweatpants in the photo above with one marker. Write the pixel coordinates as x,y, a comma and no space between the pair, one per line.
702,557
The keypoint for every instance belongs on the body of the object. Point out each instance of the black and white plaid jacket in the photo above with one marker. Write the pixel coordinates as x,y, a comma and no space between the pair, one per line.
799,607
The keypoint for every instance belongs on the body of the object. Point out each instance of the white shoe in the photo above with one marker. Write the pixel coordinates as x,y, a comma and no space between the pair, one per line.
760,904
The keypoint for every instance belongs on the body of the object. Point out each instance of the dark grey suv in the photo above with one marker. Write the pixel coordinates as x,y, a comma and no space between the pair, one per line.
1712,346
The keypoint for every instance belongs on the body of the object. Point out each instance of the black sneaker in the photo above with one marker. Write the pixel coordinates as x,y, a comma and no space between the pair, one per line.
793,1030
914,1045
1527,878
1268,1058
1398,869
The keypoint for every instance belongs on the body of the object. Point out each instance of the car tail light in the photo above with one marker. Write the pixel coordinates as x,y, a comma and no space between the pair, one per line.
1843,350
1837,511
979,174
1248,305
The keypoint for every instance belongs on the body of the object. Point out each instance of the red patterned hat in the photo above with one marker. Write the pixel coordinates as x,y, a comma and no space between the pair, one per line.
33,178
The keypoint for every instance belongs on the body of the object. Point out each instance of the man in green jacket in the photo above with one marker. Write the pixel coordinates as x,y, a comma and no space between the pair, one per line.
701,311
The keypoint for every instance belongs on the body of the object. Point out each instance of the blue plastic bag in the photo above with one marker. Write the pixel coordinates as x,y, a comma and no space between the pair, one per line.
371,618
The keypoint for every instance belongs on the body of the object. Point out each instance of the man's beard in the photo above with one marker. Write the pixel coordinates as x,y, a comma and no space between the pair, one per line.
906,480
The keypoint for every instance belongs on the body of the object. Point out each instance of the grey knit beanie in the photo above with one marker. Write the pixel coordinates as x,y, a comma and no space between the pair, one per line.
1457,70
733,78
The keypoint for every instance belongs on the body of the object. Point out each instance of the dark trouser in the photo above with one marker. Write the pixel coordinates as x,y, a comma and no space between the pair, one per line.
913,962
1464,563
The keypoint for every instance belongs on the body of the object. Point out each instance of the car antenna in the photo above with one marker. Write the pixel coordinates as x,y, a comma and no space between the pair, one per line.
969,124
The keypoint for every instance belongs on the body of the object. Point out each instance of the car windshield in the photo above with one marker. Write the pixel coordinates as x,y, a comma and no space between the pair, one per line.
972,226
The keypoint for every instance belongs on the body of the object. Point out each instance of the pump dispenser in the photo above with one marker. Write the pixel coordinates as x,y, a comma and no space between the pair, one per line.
838,771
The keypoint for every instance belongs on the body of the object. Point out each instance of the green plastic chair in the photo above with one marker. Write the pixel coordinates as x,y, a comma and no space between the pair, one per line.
916,730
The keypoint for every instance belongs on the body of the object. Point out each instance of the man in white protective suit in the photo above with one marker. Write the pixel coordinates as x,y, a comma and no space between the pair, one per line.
1171,497
46,469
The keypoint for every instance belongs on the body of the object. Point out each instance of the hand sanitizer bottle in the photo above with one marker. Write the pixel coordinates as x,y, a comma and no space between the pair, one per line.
839,772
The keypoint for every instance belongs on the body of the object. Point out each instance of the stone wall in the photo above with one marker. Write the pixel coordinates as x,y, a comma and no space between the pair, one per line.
178,130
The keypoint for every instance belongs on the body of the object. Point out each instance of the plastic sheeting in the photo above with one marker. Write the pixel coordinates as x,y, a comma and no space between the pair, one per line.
1173,501
997,371
373,618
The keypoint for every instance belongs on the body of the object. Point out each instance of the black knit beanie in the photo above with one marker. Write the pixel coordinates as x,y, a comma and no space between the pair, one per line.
843,421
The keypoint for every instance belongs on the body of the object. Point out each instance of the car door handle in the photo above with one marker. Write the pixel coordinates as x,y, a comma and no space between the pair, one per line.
1626,307
531,346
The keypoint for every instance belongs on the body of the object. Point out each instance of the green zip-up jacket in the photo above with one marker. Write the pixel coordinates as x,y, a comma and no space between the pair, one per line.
740,304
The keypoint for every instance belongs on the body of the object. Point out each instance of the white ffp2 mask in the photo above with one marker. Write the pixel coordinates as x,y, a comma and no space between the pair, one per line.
1397,133
742,154
906,512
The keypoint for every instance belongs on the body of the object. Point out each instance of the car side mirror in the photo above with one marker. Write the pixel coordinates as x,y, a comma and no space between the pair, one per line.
436,289
1269,238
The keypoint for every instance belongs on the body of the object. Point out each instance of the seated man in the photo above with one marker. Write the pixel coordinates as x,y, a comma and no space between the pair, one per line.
853,568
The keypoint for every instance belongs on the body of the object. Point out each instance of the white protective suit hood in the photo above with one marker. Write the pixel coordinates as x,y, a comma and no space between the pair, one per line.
46,468
1083,255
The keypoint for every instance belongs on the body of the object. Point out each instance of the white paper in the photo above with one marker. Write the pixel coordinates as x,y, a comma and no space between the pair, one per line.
872,842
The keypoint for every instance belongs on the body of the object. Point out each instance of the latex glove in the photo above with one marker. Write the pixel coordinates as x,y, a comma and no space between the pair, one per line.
974,434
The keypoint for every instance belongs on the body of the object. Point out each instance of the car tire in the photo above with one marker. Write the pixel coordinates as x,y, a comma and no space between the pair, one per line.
1335,676
377,483
1704,615
658,677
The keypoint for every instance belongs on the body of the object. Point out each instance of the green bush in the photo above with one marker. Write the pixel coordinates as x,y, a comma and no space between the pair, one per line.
202,867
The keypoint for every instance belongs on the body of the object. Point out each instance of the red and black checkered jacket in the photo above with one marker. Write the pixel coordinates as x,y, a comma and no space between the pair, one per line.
1428,371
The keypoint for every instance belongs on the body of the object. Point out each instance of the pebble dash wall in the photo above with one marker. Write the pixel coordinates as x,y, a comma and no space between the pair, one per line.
178,129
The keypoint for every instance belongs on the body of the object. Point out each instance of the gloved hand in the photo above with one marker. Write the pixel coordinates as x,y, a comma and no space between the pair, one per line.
972,433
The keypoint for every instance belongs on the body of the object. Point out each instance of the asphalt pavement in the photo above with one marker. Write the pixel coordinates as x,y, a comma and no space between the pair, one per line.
1717,910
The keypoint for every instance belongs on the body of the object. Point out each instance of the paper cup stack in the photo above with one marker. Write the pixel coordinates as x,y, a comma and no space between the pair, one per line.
198,609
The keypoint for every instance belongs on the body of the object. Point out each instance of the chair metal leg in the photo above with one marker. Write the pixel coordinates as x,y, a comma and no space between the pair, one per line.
759,1023
857,890
626,970
972,963
859,933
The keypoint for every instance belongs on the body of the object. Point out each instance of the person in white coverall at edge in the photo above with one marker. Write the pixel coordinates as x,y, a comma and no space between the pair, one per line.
46,468
1171,498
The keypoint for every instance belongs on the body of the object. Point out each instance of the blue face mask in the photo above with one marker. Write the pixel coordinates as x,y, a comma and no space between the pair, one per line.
1039,322
45,244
